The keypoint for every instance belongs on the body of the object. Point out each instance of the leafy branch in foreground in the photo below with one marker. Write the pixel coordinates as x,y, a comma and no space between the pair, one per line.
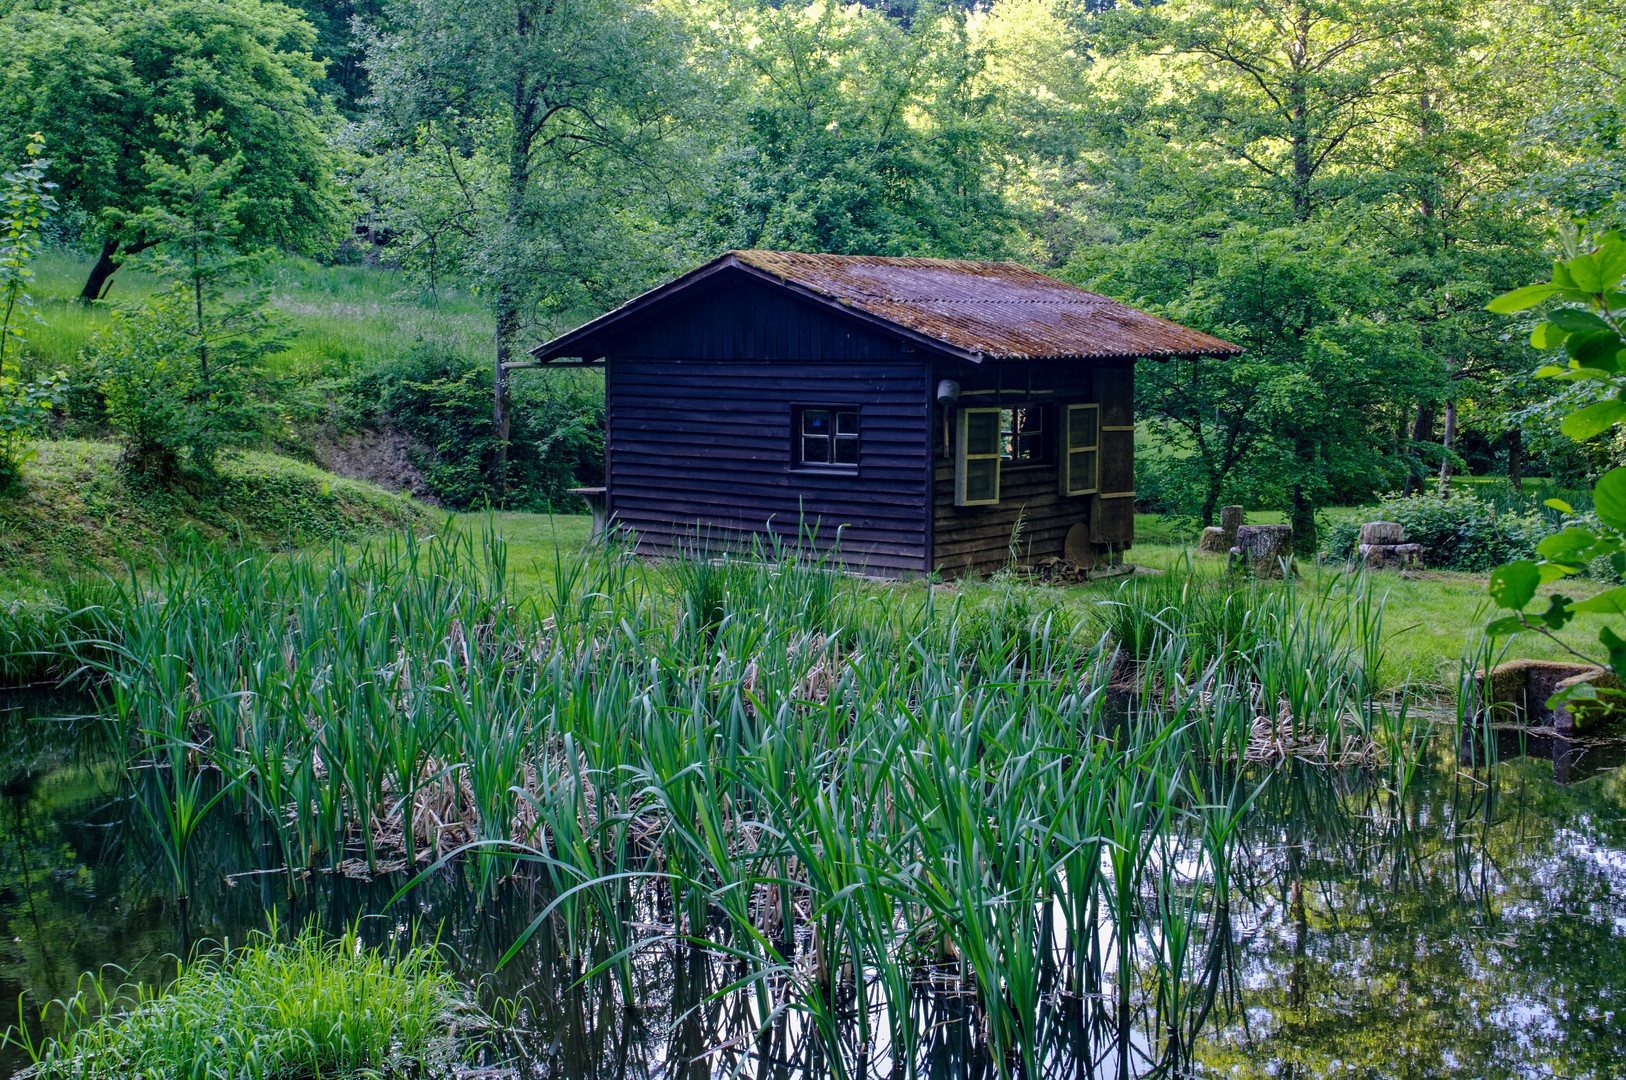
1587,324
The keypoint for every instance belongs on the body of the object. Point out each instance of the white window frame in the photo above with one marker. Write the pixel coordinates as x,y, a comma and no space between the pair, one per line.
1066,483
962,455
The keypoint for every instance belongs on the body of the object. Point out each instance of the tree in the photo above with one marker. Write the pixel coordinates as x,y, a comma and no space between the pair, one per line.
102,79
25,200
863,133
522,140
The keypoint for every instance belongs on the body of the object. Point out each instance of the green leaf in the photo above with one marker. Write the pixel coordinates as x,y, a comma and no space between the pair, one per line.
1558,612
1576,320
1548,336
1552,571
1617,649
1521,299
1560,504
1514,585
1612,261
1609,498
1571,545
1507,624
1593,420
1586,274
1594,348
1609,602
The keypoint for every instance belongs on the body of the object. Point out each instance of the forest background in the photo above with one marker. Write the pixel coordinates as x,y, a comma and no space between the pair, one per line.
1338,185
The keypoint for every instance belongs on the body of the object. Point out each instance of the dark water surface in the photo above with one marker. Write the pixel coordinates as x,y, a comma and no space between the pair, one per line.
1472,924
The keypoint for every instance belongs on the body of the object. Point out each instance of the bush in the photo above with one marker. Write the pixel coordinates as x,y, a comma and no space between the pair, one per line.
556,440
1460,532
168,390
274,1010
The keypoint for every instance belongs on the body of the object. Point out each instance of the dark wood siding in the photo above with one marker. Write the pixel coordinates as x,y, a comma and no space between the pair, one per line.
978,539
700,404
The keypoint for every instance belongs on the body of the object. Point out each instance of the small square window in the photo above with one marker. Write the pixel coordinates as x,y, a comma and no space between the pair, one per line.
1022,435
827,437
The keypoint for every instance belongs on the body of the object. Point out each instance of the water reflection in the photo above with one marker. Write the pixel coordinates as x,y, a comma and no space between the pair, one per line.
1467,923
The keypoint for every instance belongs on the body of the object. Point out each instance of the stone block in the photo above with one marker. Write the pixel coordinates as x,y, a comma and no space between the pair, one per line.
1519,689
1584,714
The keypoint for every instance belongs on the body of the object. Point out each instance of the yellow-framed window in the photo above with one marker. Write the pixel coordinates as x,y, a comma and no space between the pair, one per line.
1080,456
976,458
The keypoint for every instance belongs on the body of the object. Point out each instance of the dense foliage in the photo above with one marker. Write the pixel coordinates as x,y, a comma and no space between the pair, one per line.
1341,188
1462,532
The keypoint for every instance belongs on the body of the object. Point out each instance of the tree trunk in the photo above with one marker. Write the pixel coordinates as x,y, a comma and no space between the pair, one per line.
1448,439
1303,521
1515,459
1210,503
100,273
501,412
1422,431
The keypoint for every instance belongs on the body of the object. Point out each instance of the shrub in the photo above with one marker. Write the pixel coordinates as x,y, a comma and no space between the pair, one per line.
556,439
1460,532
308,1007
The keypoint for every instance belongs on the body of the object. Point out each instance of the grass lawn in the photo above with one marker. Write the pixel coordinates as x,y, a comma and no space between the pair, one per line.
1429,617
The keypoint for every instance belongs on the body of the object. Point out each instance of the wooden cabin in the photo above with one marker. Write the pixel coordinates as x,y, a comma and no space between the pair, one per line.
931,411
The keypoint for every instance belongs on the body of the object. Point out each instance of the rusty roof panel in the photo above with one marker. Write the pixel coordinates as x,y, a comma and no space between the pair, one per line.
977,310
1002,310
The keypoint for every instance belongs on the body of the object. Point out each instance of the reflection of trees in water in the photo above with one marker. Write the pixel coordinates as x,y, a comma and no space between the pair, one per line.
1463,930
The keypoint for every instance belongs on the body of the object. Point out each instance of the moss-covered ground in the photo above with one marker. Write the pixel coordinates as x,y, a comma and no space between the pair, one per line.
79,511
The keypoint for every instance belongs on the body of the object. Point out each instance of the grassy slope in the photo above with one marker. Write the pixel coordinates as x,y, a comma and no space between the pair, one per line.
79,509
347,317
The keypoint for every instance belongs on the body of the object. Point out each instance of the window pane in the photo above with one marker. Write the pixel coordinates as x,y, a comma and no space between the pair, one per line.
981,480
816,449
815,421
1081,470
1083,427
846,423
1030,421
982,432
846,450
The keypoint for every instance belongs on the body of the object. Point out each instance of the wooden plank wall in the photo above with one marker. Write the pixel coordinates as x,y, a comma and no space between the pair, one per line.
977,539
700,402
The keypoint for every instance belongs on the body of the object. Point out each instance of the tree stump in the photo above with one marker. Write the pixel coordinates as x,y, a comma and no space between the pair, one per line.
1383,532
1260,549
1383,547
1218,540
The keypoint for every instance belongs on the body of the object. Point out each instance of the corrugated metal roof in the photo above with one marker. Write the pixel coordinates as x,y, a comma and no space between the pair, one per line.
1000,309
990,310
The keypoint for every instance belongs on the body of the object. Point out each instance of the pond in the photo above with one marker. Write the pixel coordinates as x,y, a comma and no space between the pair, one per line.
1470,924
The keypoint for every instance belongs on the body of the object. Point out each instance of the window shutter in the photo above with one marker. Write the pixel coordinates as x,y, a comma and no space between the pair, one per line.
1112,510
1080,464
976,458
